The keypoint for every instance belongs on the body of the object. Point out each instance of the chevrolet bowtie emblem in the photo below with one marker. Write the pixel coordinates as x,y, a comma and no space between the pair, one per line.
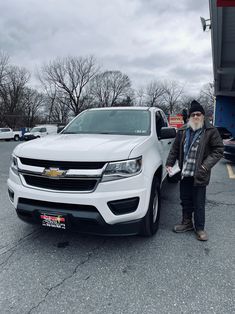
54,172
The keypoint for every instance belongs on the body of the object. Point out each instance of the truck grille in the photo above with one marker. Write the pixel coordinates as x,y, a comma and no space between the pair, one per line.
61,184
63,165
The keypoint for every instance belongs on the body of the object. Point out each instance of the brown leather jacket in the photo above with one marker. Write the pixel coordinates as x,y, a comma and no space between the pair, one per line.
209,152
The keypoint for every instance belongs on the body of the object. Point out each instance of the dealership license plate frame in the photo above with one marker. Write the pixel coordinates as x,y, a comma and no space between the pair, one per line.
56,221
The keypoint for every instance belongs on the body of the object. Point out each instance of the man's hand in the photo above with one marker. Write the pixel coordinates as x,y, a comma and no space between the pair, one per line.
168,169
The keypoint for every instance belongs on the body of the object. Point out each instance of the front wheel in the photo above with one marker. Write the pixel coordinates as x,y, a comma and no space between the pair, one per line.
16,138
151,219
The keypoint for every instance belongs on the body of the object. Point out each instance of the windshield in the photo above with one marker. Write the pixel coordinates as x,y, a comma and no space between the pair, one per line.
35,130
123,122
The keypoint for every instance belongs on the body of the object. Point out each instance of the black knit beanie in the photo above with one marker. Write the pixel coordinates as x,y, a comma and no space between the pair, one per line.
195,106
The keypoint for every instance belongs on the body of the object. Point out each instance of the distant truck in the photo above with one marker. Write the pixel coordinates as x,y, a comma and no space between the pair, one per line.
8,134
40,131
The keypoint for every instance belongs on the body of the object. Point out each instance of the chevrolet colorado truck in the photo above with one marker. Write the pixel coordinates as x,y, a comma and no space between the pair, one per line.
102,174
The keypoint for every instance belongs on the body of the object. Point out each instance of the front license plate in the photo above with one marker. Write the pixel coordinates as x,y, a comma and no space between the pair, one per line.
53,221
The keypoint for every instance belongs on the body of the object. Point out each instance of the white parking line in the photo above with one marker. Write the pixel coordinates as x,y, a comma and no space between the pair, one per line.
230,172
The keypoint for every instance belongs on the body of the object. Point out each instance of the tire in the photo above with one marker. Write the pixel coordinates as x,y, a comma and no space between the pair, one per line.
151,219
16,138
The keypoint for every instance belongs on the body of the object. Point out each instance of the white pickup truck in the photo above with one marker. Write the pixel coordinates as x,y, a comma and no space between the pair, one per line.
102,174
7,134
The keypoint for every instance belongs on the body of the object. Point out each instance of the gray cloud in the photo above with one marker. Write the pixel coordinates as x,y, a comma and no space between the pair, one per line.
159,7
146,39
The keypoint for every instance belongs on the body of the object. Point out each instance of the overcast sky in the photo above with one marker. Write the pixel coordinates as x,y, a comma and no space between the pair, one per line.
146,39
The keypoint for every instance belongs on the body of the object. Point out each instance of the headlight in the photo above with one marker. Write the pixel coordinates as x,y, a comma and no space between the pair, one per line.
14,164
122,169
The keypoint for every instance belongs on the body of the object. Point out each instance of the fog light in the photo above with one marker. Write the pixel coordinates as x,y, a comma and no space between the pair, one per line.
124,206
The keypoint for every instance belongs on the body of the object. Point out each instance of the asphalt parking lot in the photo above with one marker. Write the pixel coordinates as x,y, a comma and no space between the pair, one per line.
44,271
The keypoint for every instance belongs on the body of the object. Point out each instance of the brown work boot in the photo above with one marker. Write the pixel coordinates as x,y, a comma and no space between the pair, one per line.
202,235
186,225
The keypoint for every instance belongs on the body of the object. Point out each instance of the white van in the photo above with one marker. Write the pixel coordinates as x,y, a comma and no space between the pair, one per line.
40,131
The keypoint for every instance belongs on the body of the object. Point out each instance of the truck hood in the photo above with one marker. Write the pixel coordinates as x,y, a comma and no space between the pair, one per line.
80,147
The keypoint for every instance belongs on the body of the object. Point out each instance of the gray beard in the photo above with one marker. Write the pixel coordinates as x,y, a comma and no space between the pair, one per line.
195,126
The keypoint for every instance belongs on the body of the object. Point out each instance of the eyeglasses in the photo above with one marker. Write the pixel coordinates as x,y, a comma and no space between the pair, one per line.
196,114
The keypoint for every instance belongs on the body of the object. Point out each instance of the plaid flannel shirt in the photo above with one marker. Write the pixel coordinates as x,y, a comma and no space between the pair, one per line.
190,159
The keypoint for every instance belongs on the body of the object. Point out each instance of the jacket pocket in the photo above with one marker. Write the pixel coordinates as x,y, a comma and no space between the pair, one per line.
202,176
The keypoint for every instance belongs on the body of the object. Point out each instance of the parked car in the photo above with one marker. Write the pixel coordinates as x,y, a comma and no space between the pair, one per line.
102,174
40,131
8,134
224,133
229,149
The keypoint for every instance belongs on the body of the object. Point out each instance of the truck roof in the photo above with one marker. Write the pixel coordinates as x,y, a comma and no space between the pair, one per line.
126,108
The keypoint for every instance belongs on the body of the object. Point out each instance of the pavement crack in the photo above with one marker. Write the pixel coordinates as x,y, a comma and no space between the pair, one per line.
221,192
13,246
218,203
6,260
49,290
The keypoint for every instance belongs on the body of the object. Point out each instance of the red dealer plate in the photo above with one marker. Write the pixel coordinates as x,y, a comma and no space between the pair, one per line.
53,221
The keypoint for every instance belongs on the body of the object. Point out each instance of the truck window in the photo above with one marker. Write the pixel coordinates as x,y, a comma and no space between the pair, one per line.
159,122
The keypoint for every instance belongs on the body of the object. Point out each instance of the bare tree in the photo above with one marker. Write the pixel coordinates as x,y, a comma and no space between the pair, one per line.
4,62
207,98
4,59
110,87
172,95
32,105
59,110
140,96
12,93
154,92
50,91
71,76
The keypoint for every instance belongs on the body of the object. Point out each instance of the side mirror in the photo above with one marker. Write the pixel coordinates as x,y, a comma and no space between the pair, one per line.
167,132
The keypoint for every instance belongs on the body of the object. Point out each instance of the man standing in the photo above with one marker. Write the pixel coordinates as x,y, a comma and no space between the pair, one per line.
197,147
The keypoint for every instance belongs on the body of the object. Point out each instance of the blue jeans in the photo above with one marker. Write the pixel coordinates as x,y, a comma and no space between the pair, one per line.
193,201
